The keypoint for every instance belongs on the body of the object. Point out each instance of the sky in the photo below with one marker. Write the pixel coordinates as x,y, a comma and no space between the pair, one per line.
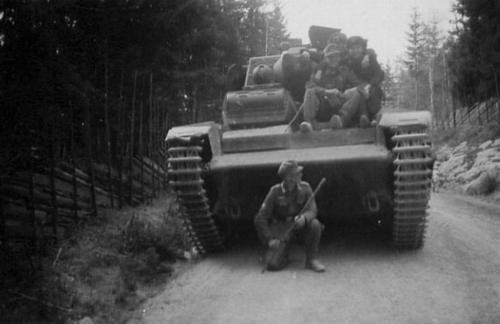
383,22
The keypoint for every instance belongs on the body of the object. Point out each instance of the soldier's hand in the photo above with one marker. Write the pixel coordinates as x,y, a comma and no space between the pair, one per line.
365,63
335,92
364,90
300,221
273,243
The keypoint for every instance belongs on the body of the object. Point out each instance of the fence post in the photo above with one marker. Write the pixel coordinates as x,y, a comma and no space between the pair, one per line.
157,146
497,106
30,201
120,140
73,159
89,159
164,163
479,119
3,230
151,139
52,159
140,148
131,150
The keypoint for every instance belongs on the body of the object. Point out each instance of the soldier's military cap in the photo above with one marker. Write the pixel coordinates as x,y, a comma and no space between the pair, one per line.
356,40
332,49
287,167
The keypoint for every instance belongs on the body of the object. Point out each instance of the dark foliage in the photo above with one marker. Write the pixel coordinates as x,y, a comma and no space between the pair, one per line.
475,56
60,57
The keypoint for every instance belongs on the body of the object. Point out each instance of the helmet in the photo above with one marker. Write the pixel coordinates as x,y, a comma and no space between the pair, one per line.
332,50
262,74
356,40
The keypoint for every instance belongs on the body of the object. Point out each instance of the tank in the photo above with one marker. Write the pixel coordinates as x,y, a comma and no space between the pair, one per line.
222,172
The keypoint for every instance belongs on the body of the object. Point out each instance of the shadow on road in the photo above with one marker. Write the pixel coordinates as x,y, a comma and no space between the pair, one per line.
347,241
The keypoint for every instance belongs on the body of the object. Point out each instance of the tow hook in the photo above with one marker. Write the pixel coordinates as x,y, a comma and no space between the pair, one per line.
372,202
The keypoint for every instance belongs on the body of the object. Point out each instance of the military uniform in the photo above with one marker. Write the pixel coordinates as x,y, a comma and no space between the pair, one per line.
276,216
319,104
368,71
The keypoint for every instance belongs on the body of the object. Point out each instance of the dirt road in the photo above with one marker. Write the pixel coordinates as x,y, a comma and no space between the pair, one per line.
455,278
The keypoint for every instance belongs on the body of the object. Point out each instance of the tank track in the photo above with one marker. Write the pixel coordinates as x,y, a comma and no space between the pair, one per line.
185,167
412,186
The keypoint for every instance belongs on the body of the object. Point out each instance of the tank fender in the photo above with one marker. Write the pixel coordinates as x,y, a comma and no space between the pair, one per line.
413,118
187,133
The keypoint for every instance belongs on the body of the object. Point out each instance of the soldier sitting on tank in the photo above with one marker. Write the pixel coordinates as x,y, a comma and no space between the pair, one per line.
329,93
366,73
283,212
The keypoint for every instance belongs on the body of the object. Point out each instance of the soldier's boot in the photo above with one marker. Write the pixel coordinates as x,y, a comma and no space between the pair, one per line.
336,122
364,122
312,237
276,259
305,127
315,265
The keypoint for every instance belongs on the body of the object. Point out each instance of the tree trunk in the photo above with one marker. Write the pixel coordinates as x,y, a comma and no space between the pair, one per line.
3,231
445,89
53,216
195,103
107,130
30,201
140,148
73,161
416,93
131,143
151,138
497,103
120,140
431,89
164,146
89,158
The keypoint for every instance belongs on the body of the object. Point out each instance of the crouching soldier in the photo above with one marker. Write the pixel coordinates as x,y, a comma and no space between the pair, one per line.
282,216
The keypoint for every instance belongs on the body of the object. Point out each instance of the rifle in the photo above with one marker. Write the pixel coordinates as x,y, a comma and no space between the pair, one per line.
279,252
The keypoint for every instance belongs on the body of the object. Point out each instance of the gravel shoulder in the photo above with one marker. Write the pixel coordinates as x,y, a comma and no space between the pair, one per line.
453,279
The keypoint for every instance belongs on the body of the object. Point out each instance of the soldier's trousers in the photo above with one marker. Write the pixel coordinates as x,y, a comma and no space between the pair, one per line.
354,107
309,235
374,102
321,108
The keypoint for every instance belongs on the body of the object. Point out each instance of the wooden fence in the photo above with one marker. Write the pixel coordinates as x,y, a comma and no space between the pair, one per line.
42,204
477,114
93,151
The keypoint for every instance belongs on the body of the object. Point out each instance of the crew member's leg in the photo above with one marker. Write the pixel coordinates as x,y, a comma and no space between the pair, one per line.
311,105
352,110
374,101
311,234
277,259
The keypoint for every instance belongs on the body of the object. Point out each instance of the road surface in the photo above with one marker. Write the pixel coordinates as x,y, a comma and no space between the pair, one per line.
455,278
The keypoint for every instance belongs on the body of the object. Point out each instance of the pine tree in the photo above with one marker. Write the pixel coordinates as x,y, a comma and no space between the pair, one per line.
415,54
389,87
276,31
432,43
475,55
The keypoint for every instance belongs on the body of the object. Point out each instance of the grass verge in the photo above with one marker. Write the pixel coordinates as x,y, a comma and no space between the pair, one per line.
103,270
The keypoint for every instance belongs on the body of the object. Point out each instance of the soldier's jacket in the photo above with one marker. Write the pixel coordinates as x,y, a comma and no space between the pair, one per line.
283,205
328,77
367,70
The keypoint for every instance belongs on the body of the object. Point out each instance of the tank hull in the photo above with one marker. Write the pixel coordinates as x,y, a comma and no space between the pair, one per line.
381,173
355,174
359,176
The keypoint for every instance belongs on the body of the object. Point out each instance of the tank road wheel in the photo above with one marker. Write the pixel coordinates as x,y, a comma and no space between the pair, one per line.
412,187
184,167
